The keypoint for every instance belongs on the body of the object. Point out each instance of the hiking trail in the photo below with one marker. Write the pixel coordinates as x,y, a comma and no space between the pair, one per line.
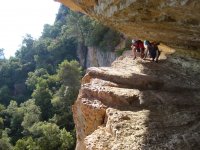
139,104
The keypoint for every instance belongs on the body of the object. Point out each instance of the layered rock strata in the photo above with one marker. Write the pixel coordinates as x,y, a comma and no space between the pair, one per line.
139,104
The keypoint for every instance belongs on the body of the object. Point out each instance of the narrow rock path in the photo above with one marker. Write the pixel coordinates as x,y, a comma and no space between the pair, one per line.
138,104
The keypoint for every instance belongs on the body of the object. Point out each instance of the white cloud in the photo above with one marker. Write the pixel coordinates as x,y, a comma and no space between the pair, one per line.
17,18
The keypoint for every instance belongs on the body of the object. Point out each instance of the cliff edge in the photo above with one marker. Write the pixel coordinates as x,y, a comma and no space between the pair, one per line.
139,104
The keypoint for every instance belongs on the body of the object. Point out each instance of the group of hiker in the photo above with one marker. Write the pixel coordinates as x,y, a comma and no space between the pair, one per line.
146,49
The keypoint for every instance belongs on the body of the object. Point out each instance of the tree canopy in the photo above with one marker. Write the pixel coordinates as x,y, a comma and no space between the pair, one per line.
39,85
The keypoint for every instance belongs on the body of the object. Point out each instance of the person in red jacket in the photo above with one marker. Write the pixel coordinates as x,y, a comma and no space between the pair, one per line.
137,46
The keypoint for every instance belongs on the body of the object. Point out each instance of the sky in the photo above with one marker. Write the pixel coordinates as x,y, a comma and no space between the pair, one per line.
21,17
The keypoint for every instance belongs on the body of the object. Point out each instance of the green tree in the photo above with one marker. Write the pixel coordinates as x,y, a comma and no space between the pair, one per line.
67,141
35,77
90,32
43,57
43,96
69,74
5,141
49,134
26,144
42,81
51,31
62,102
12,77
31,113
20,119
4,94
14,115
26,53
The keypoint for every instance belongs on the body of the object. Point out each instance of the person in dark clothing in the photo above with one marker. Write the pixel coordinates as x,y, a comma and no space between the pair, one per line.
155,45
152,50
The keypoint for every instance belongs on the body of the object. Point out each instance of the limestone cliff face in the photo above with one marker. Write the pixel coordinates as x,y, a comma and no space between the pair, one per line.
97,58
173,22
93,57
139,104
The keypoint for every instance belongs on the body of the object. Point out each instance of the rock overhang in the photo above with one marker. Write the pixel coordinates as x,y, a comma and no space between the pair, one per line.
175,23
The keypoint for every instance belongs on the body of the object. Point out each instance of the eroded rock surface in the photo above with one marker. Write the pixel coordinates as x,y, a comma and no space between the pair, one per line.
173,22
139,104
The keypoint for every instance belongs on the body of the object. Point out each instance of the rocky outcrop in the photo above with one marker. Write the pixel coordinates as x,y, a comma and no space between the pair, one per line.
173,22
139,104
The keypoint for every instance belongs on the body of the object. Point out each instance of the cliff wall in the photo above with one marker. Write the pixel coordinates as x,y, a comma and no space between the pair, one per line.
97,58
93,57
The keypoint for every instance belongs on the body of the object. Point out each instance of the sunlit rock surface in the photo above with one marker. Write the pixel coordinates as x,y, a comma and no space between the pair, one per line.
139,104
173,22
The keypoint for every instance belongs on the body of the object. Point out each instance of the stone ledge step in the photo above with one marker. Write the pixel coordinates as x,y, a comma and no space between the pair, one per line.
130,79
112,96
117,96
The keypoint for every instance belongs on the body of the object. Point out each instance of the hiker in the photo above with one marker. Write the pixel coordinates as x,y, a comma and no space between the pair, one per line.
137,46
152,50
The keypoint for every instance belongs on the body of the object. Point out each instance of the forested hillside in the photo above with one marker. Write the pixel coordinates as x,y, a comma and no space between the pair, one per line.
39,85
